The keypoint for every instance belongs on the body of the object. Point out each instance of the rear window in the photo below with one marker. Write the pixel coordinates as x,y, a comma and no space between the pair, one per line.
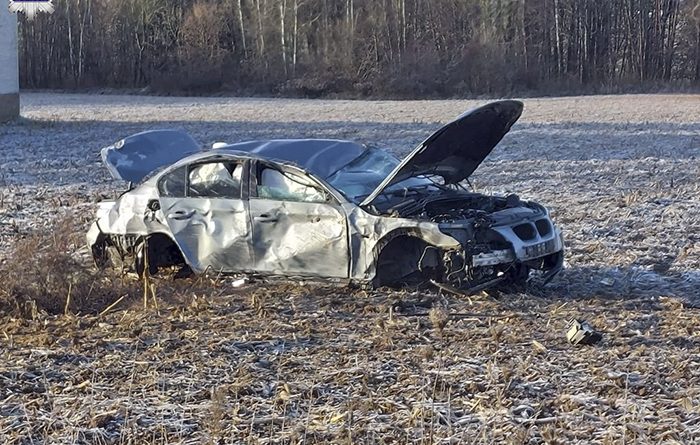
215,180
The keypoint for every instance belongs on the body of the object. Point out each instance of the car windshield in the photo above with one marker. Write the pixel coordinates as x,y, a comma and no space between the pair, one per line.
360,177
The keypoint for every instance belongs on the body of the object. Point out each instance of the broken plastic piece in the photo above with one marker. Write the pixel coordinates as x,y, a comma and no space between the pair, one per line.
581,333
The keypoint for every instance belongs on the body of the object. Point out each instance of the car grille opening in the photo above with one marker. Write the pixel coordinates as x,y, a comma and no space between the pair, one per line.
543,227
525,231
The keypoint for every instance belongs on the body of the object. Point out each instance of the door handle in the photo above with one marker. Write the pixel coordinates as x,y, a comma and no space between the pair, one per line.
180,215
265,218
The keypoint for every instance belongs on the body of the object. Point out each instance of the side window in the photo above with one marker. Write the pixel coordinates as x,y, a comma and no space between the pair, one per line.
172,185
215,180
273,184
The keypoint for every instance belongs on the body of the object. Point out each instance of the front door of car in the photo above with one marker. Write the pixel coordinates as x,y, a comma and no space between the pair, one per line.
204,208
298,228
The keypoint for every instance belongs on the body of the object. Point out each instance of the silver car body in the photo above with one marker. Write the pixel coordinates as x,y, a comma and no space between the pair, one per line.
328,209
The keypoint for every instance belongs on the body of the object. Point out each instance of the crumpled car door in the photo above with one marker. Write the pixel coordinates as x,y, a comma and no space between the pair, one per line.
211,226
297,229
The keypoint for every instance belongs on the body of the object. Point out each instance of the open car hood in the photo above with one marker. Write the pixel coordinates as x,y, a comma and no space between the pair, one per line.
135,157
456,150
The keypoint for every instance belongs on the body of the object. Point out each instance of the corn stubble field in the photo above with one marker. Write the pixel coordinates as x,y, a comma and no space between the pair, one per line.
207,362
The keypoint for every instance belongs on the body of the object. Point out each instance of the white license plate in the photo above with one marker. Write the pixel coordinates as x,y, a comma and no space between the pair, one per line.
540,249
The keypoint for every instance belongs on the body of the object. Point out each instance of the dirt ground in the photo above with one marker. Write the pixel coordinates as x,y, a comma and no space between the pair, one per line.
292,363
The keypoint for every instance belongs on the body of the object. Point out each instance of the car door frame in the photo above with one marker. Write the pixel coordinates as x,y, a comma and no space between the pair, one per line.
336,203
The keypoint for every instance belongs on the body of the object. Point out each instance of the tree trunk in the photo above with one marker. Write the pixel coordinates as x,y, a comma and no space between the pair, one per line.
71,51
295,36
697,56
283,42
261,33
242,28
81,40
557,33
696,18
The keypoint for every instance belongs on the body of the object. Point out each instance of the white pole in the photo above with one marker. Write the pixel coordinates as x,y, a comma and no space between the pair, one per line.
9,65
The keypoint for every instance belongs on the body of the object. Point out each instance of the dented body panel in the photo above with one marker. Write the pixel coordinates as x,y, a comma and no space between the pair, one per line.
299,238
323,209
369,233
211,233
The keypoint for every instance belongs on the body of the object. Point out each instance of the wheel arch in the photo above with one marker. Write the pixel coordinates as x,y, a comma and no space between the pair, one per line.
404,255
163,251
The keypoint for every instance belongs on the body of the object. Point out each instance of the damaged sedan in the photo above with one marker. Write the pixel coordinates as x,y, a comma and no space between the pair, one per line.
326,209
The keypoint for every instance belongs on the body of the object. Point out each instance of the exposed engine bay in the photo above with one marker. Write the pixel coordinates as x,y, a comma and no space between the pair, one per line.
452,208
502,238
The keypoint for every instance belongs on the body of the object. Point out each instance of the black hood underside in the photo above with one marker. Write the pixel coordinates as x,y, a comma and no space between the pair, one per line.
457,149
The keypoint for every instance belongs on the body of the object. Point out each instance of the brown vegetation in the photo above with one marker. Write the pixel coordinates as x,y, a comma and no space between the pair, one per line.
49,272
44,273
404,48
293,363
308,364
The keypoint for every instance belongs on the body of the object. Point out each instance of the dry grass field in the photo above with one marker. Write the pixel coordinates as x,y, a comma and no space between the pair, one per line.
207,362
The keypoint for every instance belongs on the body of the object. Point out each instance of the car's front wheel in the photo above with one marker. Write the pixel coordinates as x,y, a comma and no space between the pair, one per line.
406,261
516,278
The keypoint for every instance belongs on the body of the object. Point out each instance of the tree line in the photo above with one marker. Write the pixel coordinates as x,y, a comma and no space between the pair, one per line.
399,48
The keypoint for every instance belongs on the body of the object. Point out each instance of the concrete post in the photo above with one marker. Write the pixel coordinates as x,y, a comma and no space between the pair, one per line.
9,65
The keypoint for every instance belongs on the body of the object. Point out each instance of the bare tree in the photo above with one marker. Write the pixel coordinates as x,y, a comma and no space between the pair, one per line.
382,47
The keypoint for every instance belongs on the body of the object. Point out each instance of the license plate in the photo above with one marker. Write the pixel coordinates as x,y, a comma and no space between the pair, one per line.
540,249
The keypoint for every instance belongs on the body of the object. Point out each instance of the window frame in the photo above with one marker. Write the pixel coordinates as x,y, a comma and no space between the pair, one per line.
192,166
187,168
166,175
257,168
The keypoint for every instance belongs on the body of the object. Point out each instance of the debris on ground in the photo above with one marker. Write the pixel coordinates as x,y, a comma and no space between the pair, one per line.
581,333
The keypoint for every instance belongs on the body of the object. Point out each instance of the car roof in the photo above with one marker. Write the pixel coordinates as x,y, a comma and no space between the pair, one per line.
322,157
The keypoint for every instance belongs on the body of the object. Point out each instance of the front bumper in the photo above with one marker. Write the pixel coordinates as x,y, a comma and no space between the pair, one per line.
534,244
522,250
531,240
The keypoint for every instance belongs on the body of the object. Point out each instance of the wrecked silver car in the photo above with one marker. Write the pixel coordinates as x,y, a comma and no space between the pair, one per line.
325,209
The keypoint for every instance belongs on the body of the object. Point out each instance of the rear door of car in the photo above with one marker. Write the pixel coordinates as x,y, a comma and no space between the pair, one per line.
298,227
205,208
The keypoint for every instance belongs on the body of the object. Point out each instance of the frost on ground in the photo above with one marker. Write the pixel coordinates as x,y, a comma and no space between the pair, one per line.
278,364
620,172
